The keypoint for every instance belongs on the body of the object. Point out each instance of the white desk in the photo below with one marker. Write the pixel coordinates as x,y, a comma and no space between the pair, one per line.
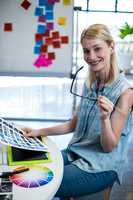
45,192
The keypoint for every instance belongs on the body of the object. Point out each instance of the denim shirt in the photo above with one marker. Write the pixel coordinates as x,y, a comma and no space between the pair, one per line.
85,143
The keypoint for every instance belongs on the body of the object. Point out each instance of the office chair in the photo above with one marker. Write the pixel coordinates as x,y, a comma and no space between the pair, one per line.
103,195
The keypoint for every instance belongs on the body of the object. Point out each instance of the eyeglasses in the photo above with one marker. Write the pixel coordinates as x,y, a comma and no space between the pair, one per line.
81,96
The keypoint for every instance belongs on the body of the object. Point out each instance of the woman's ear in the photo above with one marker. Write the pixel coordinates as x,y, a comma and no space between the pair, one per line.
112,46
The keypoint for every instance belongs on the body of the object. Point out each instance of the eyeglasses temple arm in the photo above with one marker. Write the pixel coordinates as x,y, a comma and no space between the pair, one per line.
74,79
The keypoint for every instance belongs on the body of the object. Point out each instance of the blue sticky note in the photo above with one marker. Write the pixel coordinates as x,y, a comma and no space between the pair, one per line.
42,2
41,29
37,50
49,16
49,7
38,11
39,42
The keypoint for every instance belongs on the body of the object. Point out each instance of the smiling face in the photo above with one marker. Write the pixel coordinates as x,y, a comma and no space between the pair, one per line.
97,54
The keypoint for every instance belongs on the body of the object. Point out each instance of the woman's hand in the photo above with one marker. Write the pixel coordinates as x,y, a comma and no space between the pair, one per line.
29,132
106,106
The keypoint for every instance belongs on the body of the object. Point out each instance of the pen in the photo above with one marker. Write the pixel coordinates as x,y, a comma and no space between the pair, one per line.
7,174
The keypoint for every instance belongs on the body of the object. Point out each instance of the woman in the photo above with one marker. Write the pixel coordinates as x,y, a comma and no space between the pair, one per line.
96,154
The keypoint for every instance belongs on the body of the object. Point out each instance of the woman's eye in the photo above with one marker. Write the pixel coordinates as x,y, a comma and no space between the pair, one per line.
97,49
86,51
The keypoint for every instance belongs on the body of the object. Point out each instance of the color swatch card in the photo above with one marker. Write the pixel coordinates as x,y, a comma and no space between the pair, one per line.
13,136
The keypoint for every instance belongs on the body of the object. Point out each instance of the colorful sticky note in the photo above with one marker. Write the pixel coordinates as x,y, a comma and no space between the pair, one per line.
39,42
38,37
66,2
8,27
49,16
49,7
46,34
50,26
42,61
48,41
56,44
38,11
42,18
25,4
62,21
51,1
44,48
37,50
42,2
51,55
41,29
55,34
64,39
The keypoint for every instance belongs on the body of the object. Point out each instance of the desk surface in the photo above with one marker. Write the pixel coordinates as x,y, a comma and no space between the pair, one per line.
45,192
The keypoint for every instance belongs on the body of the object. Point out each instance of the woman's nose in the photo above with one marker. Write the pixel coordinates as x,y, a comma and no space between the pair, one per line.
91,55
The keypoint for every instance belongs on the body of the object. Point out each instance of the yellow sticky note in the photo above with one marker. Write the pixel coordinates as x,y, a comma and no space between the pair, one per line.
66,2
62,21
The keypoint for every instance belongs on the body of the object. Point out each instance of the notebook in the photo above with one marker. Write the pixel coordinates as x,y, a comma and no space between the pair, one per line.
18,156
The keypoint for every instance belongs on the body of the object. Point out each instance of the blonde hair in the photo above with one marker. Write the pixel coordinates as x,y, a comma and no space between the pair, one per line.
100,31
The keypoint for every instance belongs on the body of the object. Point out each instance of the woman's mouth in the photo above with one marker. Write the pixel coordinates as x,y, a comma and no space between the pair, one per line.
94,63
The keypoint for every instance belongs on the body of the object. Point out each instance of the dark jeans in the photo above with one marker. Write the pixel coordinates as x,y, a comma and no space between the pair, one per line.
77,182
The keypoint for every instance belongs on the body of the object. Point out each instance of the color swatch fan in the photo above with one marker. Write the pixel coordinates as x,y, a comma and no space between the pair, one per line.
13,136
37,176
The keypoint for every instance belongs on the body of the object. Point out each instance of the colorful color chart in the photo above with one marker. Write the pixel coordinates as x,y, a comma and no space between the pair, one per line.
37,176
11,135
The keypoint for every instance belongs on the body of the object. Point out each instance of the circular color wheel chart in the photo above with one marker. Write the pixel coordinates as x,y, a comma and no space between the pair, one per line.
36,176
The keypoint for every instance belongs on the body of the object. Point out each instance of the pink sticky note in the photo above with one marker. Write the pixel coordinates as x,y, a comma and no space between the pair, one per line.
50,26
42,61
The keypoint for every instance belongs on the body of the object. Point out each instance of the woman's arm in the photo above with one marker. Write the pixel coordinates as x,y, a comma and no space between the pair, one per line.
61,129
112,127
